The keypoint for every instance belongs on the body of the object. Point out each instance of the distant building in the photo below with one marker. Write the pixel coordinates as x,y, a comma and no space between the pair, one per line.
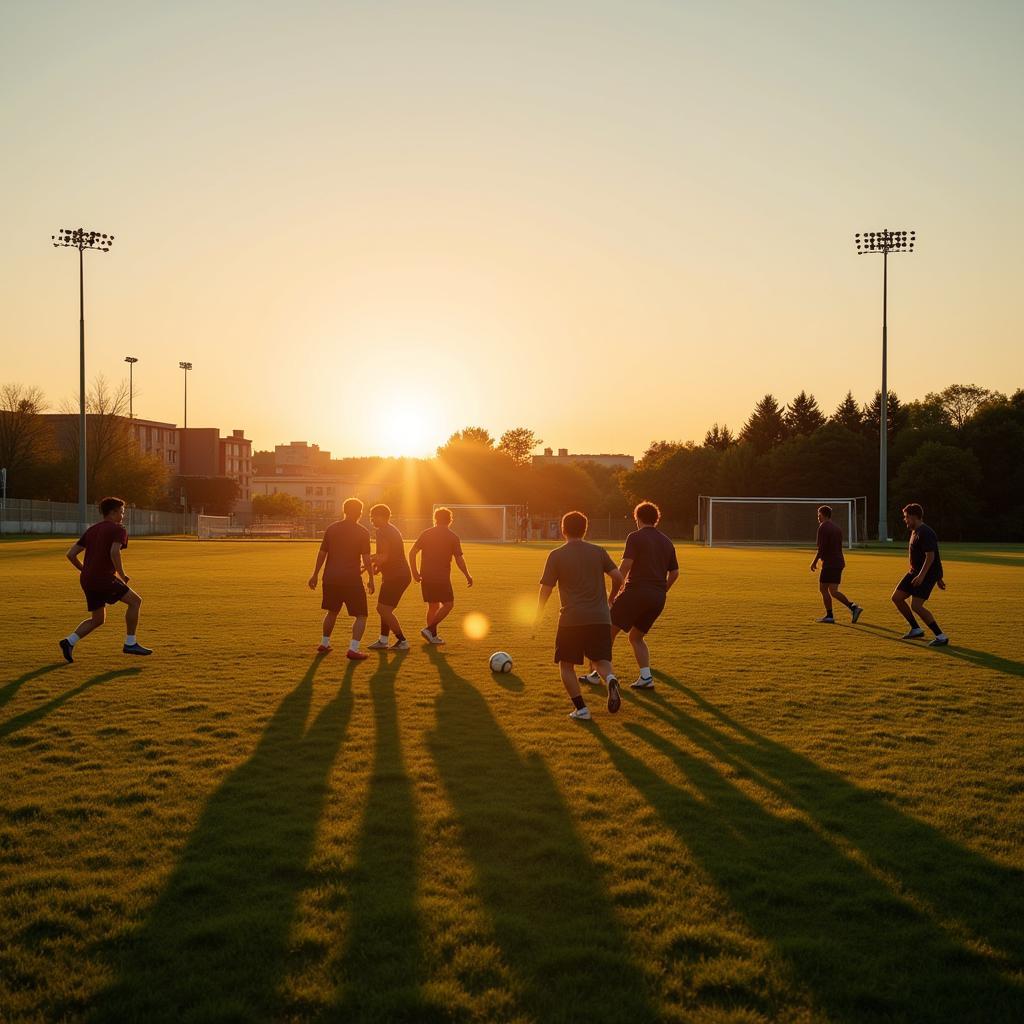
549,458
205,453
300,457
322,494
160,439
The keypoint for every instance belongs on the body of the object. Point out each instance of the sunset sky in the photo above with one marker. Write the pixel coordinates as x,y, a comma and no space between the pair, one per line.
370,224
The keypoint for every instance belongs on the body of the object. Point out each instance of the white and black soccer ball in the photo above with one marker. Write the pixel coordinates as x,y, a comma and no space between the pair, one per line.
501,662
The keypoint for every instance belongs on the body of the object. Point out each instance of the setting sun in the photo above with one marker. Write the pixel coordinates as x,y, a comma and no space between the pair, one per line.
409,430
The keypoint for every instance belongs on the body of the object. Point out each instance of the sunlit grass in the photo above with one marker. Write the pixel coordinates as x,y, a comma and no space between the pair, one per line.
801,823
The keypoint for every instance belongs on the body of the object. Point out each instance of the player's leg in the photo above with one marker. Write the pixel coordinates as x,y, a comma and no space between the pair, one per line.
567,670
607,673
593,676
900,598
826,600
356,606
918,605
96,619
442,613
131,624
642,653
328,628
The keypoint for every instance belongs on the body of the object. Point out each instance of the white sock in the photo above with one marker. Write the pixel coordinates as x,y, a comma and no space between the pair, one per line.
73,639
130,641
325,641
354,645
645,673
612,678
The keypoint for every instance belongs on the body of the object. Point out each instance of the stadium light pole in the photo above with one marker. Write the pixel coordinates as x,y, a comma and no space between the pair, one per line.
80,239
186,367
884,242
131,361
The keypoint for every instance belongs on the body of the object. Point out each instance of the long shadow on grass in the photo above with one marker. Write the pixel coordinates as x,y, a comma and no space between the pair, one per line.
980,659
214,944
10,690
548,909
380,969
867,951
33,715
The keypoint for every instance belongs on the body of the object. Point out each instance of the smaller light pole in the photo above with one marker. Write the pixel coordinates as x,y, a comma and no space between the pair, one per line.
885,242
186,367
131,361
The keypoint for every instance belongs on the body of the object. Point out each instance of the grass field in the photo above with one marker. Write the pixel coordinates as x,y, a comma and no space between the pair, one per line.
801,823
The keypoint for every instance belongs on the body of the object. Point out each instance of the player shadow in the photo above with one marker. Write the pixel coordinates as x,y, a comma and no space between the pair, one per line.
214,945
974,901
981,659
509,681
30,717
10,690
548,907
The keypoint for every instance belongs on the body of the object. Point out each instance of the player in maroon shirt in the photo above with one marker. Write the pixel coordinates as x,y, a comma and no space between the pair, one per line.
830,554
103,578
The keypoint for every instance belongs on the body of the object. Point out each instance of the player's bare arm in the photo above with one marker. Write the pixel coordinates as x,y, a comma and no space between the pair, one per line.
542,599
368,569
616,578
671,578
624,566
321,557
412,562
115,557
460,561
73,554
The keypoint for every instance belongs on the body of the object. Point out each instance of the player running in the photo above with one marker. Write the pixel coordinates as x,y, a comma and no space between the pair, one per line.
830,554
925,574
346,544
103,578
439,545
650,570
584,623
390,562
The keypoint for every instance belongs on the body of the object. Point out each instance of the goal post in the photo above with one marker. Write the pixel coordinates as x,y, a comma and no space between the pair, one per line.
212,527
499,523
723,520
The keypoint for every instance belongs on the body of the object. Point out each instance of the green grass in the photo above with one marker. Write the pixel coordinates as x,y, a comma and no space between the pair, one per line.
801,823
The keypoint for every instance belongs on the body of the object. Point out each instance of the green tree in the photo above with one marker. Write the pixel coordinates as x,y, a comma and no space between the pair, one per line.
674,476
278,506
945,480
995,434
848,414
213,495
719,438
803,416
478,436
766,426
26,441
740,471
518,444
962,401
894,413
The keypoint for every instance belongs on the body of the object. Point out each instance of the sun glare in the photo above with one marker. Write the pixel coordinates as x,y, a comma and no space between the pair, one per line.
408,430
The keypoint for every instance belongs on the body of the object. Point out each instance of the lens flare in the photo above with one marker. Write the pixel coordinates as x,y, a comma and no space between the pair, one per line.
476,625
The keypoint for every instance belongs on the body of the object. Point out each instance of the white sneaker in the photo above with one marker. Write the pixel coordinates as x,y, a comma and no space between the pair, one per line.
591,677
940,641
580,714
429,637
913,634
399,645
642,684
377,645
830,619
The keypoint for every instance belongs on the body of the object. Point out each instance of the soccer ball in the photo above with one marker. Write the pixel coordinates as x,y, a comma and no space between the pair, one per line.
501,662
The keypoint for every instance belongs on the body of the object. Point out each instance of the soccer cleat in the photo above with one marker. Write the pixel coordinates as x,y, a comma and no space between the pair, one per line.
856,612
940,641
399,645
591,677
642,684
580,714
827,618
378,645
324,649
137,649
913,634
431,638
65,649
614,700
356,655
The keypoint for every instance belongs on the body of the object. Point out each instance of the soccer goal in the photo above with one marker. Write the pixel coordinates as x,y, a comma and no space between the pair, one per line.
500,523
746,520
213,527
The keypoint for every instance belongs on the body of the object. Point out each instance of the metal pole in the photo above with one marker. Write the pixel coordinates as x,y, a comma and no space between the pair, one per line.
81,392
131,391
186,399
883,426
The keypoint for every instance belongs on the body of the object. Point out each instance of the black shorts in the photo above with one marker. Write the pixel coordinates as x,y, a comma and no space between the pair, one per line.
831,575
578,643
108,593
391,591
351,595
437,591
638,607
923,591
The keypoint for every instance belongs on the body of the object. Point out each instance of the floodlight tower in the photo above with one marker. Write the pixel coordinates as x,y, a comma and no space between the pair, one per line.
80,239
131,361
885,242
186,367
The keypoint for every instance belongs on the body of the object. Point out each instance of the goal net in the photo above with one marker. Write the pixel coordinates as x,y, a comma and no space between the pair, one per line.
500,523
213,527
731,520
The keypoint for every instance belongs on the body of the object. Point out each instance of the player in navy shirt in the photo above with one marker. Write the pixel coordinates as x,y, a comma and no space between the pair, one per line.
103,578
925,574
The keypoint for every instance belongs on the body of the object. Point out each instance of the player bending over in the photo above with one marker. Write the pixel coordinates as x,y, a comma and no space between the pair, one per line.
103,578
584,623
650,569
390,562
439,545
925,573
346,544
830,554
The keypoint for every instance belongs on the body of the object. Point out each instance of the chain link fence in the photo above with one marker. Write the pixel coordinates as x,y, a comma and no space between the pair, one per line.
60,519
